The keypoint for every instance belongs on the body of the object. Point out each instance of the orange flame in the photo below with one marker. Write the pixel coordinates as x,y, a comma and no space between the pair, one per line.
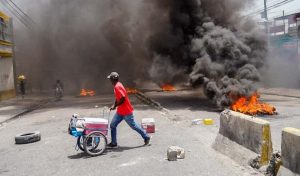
131,90
168,87
251,105
85,92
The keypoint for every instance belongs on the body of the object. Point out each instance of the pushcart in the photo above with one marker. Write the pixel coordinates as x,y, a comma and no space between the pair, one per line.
90,132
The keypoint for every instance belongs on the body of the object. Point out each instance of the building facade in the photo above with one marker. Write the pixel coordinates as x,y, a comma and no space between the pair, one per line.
285,32
7,72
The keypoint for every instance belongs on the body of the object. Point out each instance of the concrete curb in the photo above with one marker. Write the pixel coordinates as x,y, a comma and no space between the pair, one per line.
29,109
290,152
147,100
251,133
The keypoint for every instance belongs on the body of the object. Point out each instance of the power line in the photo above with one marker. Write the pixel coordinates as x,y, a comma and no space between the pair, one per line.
15,15
20,13
273,6
20,10
287,13
16,11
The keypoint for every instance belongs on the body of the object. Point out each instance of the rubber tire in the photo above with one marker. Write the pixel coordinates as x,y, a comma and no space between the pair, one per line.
25,138
79,143
85,144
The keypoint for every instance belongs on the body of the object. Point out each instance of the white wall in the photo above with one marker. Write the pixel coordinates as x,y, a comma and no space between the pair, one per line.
6,74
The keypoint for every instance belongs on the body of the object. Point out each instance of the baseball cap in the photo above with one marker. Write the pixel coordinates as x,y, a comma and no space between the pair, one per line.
113,75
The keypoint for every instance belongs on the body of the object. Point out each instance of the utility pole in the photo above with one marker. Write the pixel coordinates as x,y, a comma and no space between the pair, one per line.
266,17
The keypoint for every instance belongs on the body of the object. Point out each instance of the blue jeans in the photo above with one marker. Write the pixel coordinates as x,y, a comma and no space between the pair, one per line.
130,121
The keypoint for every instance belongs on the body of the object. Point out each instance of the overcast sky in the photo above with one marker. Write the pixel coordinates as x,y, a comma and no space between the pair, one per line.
289,8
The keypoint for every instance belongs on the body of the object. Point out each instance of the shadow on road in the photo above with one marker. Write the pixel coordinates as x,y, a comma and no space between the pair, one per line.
124,148
82,155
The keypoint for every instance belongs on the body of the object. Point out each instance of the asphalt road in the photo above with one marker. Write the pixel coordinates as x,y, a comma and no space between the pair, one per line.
189,105
55,153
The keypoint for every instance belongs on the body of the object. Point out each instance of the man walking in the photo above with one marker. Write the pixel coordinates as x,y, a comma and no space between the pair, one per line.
124,112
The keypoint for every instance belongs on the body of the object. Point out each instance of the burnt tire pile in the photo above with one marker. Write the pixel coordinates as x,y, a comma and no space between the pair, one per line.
25,138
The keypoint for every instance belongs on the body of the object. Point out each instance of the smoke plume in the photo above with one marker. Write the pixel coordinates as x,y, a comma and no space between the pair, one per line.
80,43
166,41
219,49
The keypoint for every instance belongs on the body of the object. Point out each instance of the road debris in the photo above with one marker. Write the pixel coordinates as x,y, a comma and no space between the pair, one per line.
175,152
274,164
197,121
25,138
208,122
254,163
148,124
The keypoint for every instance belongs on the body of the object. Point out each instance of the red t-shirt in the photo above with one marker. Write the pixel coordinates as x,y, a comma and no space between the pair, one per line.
125,108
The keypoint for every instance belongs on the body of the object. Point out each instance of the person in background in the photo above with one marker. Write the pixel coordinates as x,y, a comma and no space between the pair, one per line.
22,79
58,90
124,112
22,88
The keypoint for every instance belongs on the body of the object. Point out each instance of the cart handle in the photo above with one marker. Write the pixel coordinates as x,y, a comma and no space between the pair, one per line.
108,118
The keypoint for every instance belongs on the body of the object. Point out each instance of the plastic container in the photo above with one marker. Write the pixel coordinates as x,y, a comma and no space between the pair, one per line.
76,133
208,122
148,124
95,124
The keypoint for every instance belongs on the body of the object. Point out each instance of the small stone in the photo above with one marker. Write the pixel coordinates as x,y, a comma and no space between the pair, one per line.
175,152
172,155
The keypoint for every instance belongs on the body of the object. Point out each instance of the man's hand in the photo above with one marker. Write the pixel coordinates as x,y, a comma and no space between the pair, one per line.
113,107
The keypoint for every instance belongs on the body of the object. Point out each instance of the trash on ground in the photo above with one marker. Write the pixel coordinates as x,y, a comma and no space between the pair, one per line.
208,122
25,138
175,152
197,121
274,164
254,163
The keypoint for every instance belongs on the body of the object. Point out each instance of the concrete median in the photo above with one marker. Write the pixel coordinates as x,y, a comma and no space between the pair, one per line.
242,137
290,152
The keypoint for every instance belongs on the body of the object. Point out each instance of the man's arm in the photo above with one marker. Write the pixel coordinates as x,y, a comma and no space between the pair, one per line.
117,103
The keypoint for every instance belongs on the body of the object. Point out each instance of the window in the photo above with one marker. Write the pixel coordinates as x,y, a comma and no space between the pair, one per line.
4,31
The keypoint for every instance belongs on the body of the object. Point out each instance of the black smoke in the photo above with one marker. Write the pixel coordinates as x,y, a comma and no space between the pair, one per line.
215,45
205,42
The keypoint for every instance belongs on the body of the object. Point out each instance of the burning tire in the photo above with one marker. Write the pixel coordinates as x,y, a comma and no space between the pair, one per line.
25,138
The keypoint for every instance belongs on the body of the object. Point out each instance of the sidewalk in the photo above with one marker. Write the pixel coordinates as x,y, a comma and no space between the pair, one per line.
12,108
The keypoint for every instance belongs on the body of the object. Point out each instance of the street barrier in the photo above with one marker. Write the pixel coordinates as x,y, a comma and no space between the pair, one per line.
242,137
290,152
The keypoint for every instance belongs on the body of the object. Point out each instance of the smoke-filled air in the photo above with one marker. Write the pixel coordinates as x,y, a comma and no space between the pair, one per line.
205,43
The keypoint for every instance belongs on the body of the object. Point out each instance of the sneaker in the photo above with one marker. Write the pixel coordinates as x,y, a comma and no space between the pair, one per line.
147,141
111,145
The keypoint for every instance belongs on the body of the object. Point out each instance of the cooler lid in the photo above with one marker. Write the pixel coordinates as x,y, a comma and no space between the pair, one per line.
95,120
148,120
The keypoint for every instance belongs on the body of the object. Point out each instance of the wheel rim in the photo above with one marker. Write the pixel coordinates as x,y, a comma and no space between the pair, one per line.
95,143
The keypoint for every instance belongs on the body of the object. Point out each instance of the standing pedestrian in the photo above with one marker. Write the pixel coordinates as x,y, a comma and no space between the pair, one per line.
22,79
124,112
22,88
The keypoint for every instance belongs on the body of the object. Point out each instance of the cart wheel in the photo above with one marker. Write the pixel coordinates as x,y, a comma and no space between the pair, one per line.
94,143
80,140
